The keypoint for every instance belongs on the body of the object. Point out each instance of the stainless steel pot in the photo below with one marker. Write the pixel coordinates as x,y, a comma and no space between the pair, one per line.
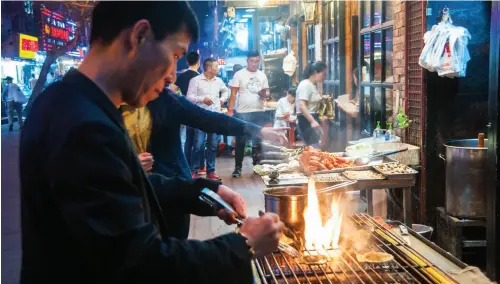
465,178
290,203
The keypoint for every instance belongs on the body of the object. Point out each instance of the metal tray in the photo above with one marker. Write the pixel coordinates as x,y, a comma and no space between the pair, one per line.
397,176
363,179
376,161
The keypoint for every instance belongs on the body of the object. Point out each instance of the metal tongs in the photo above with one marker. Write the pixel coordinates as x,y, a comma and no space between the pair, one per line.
216,202
335,187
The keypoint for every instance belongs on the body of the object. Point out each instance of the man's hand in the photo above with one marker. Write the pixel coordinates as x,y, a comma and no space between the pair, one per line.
230,112
146,161
264,94
208,101
263,233
286,116
273,136
233,199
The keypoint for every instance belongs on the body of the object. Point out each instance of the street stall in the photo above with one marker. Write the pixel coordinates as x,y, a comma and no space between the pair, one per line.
335,244
281,166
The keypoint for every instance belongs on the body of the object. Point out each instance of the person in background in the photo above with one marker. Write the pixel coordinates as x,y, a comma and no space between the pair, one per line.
50,78
193,61
33,82
307,103
15,99
231,140
89,212
209,92
252,88
285,110
182,82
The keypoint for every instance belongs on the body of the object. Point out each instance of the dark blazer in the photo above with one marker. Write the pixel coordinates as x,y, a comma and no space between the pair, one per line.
89,213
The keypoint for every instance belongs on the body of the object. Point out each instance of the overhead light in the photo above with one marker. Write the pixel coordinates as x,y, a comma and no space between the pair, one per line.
247,16
250,10
243,20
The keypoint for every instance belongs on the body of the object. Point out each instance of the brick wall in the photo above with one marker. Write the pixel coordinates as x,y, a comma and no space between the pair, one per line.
398,59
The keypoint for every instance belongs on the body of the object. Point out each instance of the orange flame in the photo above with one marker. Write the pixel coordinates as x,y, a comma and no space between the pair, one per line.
316,234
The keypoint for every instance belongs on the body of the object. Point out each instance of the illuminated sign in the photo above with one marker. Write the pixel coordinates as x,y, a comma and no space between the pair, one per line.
28,46
56,30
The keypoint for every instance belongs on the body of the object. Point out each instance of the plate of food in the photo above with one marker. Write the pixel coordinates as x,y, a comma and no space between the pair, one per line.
395,170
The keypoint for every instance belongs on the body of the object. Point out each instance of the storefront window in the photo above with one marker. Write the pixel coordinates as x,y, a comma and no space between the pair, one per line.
311,50
376,63
377,55
333,41
387,11
388,56
377,12
366,13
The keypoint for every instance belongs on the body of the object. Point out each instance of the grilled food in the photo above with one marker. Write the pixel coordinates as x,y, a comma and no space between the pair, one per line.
314,160
374,257
313,259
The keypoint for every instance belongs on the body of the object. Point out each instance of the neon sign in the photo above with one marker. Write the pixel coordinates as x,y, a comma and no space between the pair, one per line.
56,30
28,46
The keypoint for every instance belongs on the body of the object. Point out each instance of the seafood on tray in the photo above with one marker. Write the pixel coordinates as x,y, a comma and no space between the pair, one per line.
315,160
266,169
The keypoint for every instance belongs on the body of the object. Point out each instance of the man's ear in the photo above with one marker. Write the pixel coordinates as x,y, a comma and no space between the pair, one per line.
139,33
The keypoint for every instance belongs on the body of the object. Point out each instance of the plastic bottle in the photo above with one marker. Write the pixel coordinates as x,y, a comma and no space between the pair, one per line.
480,140
377,133
389,134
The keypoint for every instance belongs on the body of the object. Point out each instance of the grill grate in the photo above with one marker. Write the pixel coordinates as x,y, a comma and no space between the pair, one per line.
408,265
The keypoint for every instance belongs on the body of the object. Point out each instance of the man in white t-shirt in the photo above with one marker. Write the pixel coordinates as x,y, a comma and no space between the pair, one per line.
253,89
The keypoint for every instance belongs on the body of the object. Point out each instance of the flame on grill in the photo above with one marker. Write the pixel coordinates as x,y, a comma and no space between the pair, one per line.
319,234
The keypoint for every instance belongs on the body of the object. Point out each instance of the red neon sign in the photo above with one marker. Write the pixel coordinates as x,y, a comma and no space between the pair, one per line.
29,45
56,30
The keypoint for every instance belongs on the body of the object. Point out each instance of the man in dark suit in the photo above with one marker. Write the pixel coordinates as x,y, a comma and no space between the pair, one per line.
89,213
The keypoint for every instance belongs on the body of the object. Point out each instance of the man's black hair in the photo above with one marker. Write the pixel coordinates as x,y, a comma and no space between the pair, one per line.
110,18
192,58
253,53
237,67
208,63
313,67
292,91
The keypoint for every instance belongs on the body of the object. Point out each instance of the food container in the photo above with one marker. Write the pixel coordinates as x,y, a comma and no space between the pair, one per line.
347,175
392,175
374,162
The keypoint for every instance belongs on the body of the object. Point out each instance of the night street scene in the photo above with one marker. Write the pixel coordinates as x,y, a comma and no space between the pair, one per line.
250,141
